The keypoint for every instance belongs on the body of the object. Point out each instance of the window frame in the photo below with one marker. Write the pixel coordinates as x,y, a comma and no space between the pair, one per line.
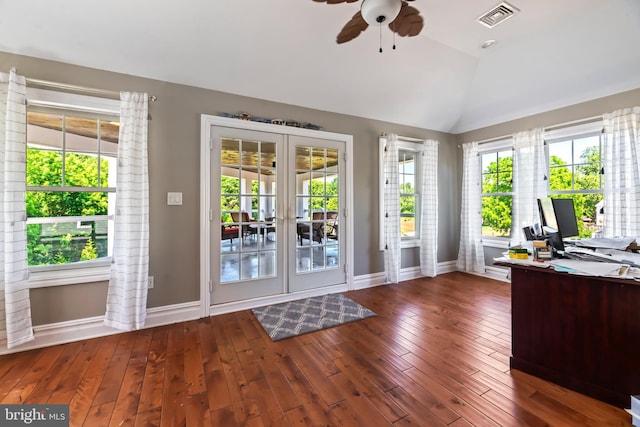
558,134
405,144
572,134
68,103
495,147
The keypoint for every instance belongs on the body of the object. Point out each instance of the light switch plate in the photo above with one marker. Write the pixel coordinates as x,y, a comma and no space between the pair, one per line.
174,198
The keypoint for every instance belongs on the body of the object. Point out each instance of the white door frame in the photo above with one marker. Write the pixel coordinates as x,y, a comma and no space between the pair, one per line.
206,212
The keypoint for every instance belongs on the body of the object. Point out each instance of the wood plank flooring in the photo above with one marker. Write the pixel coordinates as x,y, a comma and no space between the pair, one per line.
436,354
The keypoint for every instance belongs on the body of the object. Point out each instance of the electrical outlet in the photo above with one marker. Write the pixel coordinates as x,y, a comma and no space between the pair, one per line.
151,282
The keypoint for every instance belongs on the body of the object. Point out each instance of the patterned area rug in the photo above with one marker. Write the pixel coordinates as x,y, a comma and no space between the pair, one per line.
293,318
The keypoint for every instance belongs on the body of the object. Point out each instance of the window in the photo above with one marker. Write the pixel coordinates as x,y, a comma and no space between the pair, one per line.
497,192
575,166
409,181
71,176
409,197
575,171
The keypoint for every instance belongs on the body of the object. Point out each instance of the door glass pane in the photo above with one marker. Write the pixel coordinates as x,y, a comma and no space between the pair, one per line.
247,209
317,207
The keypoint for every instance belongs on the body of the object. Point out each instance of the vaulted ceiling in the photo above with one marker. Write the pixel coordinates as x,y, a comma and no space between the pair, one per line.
548,55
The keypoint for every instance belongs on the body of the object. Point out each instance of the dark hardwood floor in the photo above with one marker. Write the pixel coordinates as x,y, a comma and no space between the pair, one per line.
437,353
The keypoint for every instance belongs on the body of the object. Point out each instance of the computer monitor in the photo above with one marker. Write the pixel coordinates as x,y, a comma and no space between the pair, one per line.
547,214
565,213
559,215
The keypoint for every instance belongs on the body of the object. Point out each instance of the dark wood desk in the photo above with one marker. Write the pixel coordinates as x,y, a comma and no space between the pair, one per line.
580,332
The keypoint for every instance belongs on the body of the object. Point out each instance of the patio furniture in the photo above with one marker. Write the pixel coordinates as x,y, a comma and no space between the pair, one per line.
244,222
229,232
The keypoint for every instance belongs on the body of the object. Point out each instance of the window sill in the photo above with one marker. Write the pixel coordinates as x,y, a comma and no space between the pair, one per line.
495,243
49,278
413,243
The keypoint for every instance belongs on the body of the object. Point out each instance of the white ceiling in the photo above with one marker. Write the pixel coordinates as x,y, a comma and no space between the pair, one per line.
551,54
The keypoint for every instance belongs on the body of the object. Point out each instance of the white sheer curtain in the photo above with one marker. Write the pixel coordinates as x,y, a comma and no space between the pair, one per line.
471,252
127,294
622,173
429,210
391,210
529,180
14,272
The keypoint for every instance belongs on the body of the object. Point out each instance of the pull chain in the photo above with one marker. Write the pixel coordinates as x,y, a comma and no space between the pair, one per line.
380,27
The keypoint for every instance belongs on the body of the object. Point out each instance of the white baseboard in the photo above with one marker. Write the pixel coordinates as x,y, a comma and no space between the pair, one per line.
447,267
377,279
94,327
495,273
367,281
169,314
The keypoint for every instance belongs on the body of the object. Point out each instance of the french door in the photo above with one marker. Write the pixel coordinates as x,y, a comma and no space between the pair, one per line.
247,253
315,258
277,209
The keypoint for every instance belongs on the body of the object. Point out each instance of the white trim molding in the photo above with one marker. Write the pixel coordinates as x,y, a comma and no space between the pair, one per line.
207,277
376,279
94,327
495,273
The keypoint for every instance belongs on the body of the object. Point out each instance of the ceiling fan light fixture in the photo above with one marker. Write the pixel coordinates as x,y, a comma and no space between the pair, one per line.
380,11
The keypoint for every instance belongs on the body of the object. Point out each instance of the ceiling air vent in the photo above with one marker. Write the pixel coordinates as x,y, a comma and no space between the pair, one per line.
498,14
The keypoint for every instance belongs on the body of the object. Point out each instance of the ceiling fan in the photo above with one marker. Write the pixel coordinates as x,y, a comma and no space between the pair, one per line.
403,19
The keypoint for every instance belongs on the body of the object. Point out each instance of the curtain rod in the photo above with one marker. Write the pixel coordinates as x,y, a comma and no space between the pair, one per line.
403,138
85,89
547,128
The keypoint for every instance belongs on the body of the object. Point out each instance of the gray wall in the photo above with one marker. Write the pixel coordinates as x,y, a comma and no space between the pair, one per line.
549,119
584,110
174,140
174,143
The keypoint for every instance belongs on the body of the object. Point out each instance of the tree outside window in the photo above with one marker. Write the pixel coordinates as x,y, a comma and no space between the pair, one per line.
497,198
69,166
408,193
575,172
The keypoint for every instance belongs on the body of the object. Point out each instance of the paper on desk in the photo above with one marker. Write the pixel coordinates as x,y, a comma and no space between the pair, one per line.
617,243
623,257
591,268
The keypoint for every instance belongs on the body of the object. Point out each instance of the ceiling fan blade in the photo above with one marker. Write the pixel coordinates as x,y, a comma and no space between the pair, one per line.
336,1
408,23
352,29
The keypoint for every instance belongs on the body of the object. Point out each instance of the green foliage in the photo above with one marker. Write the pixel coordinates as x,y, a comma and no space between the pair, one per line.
44,169
58,245
496,215
496,210
229,199
408,201
37,252
323,198
89,251
559,174
586,177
